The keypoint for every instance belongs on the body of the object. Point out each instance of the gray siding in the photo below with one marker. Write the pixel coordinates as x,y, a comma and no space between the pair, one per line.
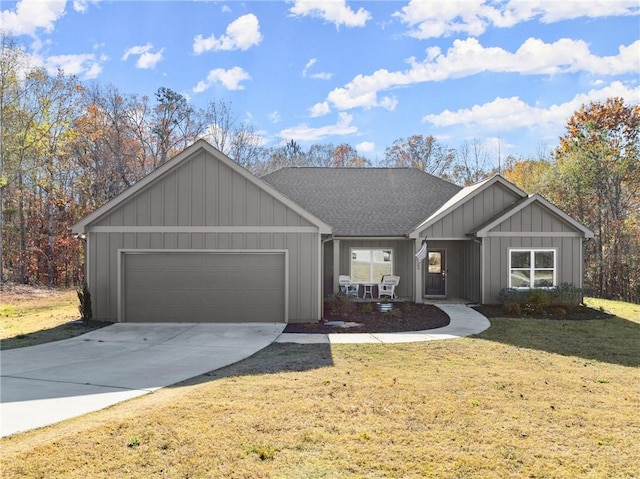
472,213
203,192
534,218
303,264
496,260
470,280
532,227
403,260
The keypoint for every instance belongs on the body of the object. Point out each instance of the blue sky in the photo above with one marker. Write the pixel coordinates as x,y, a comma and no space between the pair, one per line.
506,73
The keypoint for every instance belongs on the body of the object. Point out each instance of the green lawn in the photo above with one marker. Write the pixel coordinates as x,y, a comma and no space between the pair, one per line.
526,398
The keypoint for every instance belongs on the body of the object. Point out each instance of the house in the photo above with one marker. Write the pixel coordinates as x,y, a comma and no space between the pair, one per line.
202,239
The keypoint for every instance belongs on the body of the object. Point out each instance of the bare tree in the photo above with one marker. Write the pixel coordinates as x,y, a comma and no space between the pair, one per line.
422,152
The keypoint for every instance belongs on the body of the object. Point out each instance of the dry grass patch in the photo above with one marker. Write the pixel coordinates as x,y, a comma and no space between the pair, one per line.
492,406
30,316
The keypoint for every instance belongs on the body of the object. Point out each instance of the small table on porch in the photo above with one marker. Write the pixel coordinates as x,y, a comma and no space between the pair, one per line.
367,289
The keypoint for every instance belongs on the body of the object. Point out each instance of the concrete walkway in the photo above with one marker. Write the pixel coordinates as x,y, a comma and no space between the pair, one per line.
45,384
464,321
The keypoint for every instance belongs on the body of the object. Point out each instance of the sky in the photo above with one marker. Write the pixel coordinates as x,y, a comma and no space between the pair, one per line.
507,74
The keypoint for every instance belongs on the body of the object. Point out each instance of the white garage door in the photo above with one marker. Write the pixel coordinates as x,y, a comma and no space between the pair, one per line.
204,287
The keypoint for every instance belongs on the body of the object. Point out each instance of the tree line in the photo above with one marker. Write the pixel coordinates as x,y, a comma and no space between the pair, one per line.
67,147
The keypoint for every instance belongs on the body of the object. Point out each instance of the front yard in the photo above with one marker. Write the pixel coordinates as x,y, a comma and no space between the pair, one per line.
526,398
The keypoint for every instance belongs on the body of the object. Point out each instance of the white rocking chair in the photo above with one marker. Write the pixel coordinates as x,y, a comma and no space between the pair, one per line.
346,286
388,286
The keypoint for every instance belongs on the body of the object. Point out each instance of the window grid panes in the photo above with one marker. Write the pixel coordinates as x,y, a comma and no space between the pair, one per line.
532,268
370,265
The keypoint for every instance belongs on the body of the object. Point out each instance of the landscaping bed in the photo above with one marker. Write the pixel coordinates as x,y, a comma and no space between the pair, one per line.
580,312
365,318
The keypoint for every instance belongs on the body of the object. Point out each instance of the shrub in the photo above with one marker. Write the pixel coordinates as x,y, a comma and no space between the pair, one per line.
537,300
367,308
340,305
567,294
84,296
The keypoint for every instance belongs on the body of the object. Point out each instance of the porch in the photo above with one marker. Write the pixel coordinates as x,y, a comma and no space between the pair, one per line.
451,270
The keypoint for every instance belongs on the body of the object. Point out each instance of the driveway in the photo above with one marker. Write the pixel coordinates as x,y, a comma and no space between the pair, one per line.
45,384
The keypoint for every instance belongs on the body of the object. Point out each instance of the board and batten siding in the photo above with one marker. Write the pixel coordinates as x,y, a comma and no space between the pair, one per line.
472,213
403,259
203,204
532,227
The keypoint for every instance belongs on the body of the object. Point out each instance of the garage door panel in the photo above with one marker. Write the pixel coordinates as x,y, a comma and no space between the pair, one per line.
204,287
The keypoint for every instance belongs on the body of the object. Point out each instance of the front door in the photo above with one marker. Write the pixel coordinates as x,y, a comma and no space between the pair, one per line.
436,273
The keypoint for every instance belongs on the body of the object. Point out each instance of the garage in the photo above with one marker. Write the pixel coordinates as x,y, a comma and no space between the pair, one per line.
203,286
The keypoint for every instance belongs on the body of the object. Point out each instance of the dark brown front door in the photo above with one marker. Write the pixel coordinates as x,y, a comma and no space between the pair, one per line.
436,274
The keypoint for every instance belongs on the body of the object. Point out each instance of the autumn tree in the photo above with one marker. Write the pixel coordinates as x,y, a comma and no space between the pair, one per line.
530,175
346,155
598,181
422,152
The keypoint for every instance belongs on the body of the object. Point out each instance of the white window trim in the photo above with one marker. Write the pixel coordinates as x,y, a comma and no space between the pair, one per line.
364,248
532,267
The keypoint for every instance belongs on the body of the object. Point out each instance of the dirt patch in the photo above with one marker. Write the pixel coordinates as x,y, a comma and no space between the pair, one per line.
549,312
367,319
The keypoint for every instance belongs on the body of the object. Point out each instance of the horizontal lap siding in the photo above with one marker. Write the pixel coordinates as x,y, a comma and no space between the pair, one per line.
200,192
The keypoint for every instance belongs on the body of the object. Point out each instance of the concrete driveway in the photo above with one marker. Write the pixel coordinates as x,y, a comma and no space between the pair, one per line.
45,384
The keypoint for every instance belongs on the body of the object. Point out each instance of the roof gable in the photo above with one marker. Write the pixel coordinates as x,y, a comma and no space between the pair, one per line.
364,201
464,196
151,181
527,203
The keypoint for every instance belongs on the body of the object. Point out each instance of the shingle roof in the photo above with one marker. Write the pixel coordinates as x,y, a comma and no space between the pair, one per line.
365,201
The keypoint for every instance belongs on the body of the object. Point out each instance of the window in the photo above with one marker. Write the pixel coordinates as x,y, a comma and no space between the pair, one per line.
370,265
532,268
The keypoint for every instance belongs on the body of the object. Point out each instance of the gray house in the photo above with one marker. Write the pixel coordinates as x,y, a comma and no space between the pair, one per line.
202,239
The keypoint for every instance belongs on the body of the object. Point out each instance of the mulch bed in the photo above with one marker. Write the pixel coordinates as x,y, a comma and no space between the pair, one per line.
405,316
549,312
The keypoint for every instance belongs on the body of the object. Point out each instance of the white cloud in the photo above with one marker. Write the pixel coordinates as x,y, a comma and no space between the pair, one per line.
306,133
334,11
146,58
30,15
366,147
309,64
81,6
319,109
468,57
230,79
274,117
315,76
503,114
85,65
473,17
241,34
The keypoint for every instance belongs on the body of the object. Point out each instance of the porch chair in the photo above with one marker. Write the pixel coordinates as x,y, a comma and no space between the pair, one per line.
346,286
388,286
